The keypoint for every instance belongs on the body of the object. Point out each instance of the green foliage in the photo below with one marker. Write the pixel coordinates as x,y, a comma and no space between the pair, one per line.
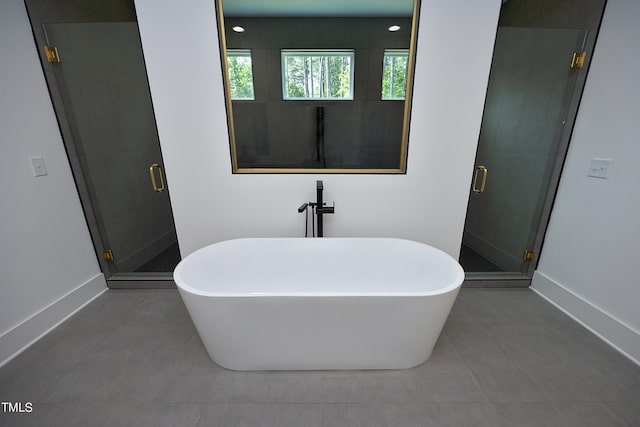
325,75
240,76
322,76
394,76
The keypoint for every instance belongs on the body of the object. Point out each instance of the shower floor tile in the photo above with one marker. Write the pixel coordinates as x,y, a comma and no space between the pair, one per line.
506,357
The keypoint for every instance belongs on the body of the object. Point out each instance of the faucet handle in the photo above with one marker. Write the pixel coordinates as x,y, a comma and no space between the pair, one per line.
327,209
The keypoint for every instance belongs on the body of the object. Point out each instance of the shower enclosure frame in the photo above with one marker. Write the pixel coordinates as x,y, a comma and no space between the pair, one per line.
523,278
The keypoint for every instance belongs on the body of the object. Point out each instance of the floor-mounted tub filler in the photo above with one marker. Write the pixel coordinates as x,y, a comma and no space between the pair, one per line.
312,304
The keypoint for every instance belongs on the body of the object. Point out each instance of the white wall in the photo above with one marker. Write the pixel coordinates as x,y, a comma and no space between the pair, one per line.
588,262
48,266
210,204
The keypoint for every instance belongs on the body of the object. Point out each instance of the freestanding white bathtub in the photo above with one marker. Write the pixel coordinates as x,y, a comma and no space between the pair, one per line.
311,304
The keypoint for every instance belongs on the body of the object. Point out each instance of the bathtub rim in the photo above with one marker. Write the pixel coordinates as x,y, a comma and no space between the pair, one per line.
455,283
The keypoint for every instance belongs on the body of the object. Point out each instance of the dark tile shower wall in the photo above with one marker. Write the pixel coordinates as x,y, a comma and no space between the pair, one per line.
523,120
51,11
107,121
553,14
525,108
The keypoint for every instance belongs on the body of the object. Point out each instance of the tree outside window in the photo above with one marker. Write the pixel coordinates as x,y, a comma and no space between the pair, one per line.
394,74
240,74
317,74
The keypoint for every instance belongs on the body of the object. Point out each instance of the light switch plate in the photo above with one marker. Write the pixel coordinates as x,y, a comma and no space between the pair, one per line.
599,168
38,166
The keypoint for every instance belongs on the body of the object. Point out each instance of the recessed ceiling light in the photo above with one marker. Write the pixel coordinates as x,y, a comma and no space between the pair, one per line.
394,28
238,29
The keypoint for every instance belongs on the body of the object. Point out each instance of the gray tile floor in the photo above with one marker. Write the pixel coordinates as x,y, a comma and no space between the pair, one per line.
506,358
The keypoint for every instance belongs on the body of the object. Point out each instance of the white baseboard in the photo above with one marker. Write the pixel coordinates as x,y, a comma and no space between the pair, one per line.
611,330
16,340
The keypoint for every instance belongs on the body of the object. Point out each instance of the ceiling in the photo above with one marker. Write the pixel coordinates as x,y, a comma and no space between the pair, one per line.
362,8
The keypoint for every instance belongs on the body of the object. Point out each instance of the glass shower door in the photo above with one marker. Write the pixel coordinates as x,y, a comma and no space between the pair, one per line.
105,111
524,127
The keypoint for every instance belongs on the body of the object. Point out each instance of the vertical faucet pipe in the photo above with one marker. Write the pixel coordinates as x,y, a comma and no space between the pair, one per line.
319,204
320,136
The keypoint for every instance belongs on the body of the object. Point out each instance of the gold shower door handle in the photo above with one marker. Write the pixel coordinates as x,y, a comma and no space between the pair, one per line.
474,187
154,183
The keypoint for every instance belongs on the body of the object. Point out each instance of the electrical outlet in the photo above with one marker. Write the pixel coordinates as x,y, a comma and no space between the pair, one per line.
38,167
599,168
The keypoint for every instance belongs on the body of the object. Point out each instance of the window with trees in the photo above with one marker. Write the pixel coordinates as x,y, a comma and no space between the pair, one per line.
394,74
317,74
240,74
